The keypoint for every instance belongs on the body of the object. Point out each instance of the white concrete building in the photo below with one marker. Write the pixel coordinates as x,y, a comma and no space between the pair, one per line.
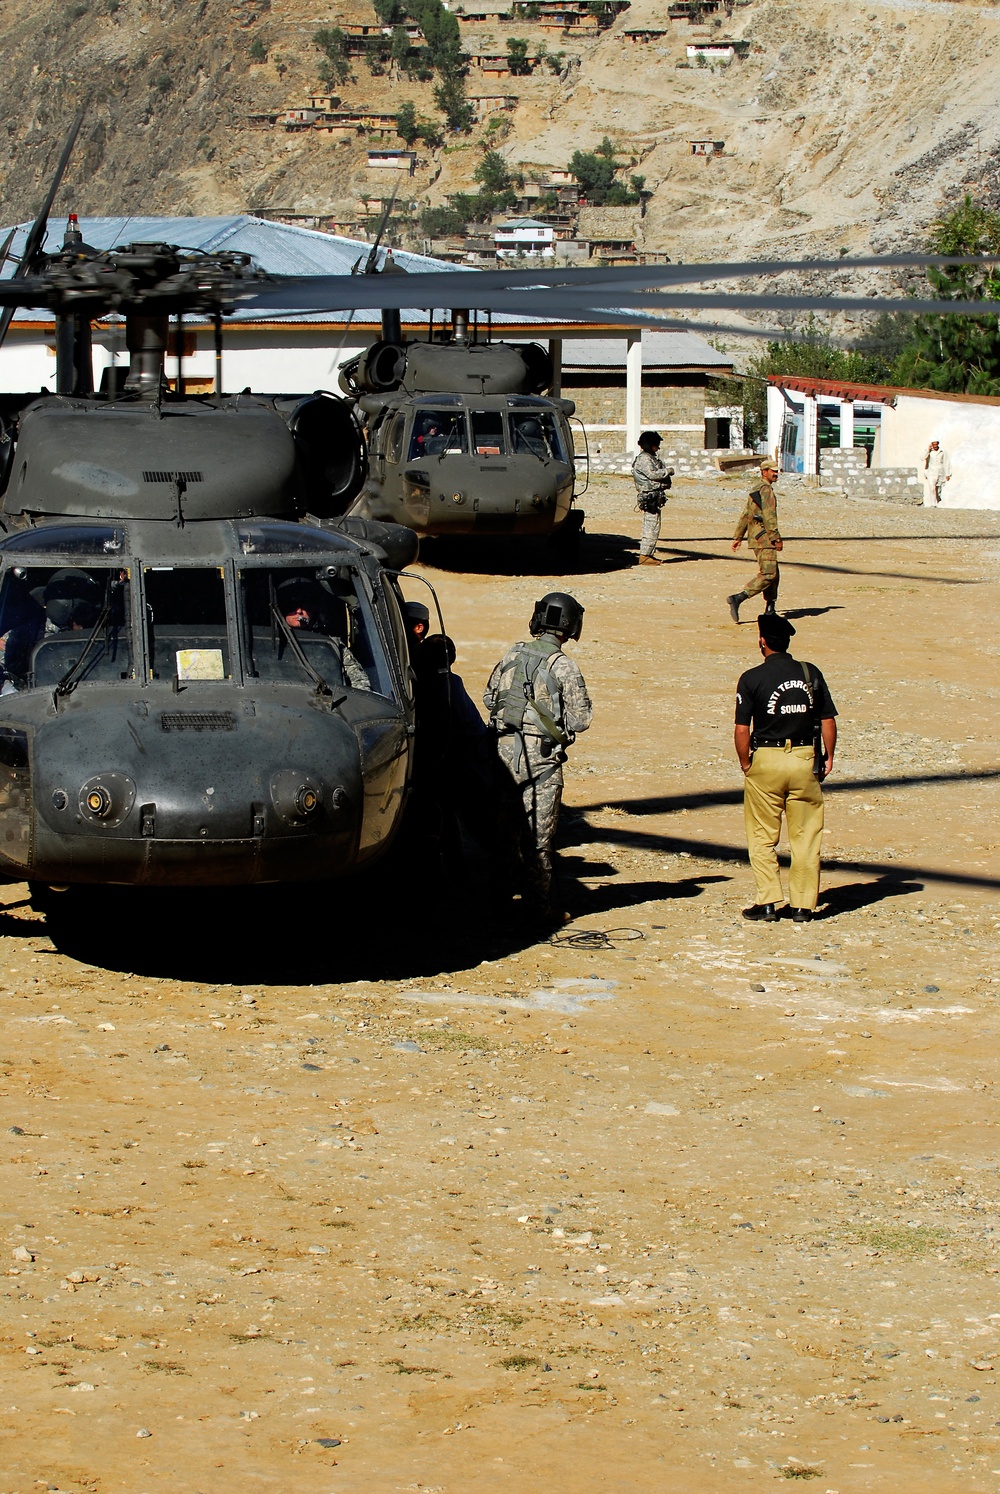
810,417
525,236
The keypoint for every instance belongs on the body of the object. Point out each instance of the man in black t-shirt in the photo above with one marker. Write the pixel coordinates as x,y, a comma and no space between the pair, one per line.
781,706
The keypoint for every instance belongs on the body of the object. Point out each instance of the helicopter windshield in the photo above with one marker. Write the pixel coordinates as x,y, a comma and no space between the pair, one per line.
48,617
536,434
487,432
186,628
298,622
438,432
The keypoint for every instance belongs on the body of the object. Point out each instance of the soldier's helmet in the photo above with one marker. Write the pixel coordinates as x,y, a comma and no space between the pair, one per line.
557,612
71,598
649,441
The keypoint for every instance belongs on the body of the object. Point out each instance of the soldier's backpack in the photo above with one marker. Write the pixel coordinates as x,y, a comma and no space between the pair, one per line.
516,708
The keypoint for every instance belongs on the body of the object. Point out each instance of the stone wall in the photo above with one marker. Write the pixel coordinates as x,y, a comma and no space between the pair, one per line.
600,400
687,461
849,469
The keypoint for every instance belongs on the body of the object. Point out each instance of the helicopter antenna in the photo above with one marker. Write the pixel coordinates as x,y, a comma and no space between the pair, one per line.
30,261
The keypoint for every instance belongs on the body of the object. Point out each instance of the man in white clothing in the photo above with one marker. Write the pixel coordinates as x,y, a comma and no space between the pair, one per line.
937,471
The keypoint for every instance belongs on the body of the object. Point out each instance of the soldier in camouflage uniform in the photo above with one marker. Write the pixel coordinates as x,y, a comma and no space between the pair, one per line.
759,522
538,702
652,479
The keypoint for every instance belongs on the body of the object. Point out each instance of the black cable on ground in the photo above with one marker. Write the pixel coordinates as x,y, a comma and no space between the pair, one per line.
597,938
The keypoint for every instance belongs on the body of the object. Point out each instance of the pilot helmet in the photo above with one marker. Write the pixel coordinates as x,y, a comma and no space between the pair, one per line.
71,598
298,591
557,612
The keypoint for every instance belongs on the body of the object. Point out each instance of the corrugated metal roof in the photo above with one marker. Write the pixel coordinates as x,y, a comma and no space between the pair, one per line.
659,350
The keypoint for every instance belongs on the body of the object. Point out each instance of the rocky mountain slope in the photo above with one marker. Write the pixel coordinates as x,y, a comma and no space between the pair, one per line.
846,126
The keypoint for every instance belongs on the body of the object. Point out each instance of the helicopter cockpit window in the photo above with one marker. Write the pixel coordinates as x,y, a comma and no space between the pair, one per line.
69,539
537,434
186,623
286,539
394,438
58,619
302,624
487,433
438,433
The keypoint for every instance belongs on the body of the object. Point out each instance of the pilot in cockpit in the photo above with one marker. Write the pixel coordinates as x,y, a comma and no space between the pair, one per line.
304,607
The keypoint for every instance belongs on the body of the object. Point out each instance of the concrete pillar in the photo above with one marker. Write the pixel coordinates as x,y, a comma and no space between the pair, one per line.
776,406
555,353
846,425
810,433
633,393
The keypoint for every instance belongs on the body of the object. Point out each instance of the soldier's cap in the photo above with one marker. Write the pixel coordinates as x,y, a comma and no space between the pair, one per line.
416,612
768,464
775,630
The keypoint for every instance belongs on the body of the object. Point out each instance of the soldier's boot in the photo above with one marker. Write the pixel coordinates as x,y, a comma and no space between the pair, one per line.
734,604
770,608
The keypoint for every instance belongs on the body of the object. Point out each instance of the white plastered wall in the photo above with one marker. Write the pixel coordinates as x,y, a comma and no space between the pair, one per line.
293,360
969,433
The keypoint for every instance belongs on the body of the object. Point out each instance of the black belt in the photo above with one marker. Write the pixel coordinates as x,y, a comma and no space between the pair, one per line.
784,742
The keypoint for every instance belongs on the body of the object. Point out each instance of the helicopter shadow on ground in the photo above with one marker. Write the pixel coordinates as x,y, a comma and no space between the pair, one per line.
371,928
15,926
591,554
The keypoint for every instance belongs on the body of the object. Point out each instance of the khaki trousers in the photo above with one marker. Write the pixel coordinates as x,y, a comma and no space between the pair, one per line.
781,781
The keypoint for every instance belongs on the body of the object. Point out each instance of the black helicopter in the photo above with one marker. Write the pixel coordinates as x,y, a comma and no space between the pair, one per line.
205,667
463,437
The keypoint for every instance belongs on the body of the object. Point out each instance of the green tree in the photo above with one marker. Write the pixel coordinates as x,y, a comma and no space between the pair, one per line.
335,67
441,222
441,33
595,171
517,57
430,133
406,123
492,173
450,98
958,354
390,12
257,50
378,50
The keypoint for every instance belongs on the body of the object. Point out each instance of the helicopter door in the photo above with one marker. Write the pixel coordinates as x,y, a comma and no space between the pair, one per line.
333,463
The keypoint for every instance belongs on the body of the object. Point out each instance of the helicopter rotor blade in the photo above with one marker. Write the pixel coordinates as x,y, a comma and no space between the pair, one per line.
36,234
321,292
28,263
371,263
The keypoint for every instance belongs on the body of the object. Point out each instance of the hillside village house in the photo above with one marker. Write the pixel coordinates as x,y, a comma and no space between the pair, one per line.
823,426
620,382
524,236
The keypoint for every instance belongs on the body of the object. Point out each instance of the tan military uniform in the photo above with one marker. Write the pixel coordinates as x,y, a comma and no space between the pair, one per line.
534,759
780,780
759,523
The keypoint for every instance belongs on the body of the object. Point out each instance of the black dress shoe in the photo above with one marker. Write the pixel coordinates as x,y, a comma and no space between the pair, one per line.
801,915
761,913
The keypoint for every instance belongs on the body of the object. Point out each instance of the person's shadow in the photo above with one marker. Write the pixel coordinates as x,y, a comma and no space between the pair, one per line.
854,895
583,900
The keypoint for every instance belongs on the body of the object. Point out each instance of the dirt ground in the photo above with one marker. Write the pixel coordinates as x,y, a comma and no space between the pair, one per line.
700,1206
